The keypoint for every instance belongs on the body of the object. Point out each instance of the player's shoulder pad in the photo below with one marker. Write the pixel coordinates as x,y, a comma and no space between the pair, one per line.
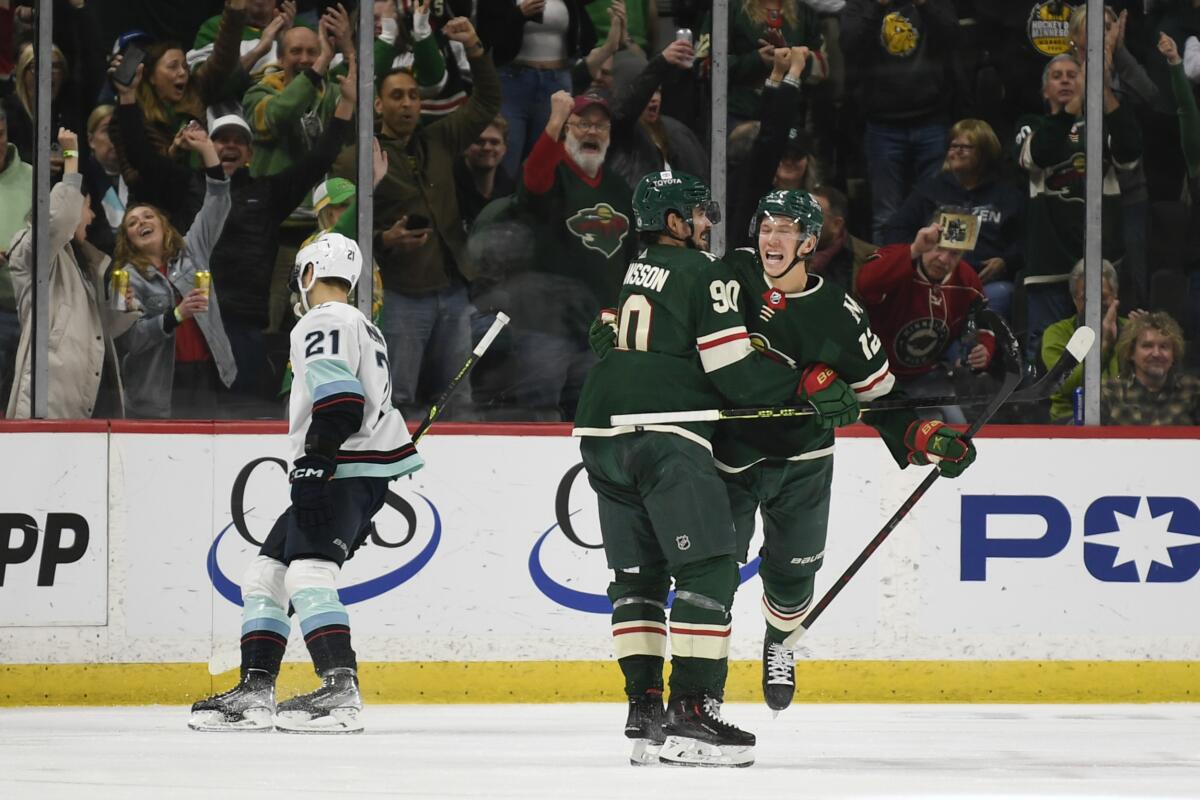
829,291
743,259
326,315
716,267
336,310
742,254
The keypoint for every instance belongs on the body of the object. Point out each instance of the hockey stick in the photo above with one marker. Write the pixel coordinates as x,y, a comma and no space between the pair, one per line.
1011,378
1078,346
476,354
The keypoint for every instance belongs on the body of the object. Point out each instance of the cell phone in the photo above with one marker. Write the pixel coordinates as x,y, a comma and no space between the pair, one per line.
131,57
416,222
685,35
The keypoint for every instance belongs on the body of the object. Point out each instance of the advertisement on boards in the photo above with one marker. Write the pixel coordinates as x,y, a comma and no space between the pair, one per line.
54,530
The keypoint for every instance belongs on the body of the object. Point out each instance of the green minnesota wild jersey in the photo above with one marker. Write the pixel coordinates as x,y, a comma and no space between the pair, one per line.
821,323
682,345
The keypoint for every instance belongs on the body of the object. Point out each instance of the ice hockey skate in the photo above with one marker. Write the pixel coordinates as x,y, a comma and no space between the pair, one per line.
644,726
336,707
778,675
249,706
696,736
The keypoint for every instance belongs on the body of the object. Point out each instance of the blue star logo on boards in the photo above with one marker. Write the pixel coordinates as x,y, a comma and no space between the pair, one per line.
1127,540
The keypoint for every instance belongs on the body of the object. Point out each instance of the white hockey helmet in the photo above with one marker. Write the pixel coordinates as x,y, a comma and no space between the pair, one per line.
331,255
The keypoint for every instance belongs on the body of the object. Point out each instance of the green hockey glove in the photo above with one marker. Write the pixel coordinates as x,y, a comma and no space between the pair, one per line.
829,395
932,442
602,336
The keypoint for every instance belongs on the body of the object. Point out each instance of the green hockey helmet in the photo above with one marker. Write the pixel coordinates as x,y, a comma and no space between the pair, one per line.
790,204
659,193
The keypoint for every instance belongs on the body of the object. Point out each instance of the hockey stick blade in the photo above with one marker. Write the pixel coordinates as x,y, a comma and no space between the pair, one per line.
1012,377
476,354
1080,343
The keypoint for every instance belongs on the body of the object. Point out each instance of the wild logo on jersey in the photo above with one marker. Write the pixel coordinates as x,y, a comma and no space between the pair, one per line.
762,344
920,341
601,228
899,35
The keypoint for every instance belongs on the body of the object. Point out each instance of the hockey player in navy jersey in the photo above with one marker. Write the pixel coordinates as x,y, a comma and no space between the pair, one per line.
348,443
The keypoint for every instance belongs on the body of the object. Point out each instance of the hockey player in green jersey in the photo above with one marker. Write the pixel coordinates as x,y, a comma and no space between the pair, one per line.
785,468
664,513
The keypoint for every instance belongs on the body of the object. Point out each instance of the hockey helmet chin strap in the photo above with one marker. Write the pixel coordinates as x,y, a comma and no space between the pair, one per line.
301,308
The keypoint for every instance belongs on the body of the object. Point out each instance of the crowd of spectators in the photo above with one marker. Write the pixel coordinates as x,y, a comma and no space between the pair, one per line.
943,139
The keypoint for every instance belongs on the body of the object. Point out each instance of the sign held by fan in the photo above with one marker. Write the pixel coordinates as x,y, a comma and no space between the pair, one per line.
960,229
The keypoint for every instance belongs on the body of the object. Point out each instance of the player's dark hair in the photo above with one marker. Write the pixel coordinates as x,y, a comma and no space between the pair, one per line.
382,79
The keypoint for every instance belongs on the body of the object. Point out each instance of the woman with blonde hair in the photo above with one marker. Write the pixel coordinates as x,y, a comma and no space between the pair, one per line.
64,105
171,95
177,357
970,180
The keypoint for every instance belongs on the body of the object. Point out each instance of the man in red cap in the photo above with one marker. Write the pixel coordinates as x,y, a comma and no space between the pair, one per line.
585,241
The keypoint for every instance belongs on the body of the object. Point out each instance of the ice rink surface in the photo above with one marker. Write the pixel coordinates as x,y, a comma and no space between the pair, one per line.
577,752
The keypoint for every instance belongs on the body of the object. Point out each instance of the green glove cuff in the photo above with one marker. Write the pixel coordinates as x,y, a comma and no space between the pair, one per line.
835,405
602,336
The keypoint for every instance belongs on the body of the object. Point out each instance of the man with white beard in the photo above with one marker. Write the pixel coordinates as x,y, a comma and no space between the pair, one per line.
584,243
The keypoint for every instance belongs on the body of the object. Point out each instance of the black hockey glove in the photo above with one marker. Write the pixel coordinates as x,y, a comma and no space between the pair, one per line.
310,477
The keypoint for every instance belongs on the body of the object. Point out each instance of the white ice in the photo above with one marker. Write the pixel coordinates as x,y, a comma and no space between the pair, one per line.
577,752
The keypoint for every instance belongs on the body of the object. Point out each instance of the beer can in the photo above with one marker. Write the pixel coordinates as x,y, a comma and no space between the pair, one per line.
685,35
1077,406
203,281
120,283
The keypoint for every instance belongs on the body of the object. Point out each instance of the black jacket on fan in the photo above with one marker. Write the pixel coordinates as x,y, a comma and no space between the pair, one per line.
244,257
502,27
900,54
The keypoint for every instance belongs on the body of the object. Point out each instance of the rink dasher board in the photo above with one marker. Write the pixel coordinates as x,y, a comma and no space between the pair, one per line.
487,599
